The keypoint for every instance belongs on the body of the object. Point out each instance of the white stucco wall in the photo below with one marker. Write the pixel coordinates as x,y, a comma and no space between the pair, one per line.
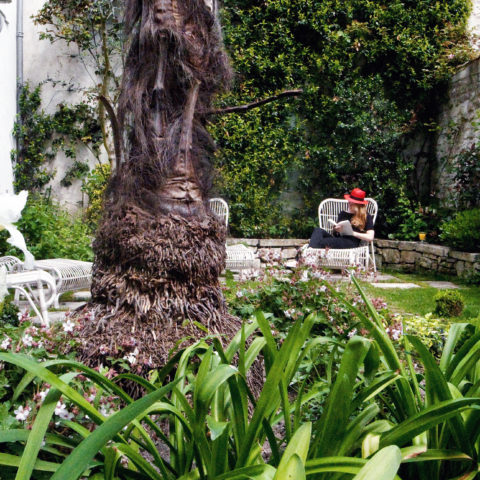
45,61
8,81
474,23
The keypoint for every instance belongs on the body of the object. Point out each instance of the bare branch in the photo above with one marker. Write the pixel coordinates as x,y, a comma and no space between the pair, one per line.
258,103
117,139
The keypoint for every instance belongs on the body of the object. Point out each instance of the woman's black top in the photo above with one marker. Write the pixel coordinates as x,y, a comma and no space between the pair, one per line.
348,216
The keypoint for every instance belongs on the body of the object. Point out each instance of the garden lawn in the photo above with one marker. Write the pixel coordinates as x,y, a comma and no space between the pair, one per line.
420,301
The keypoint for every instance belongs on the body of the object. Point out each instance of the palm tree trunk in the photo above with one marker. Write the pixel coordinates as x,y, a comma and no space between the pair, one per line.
159,250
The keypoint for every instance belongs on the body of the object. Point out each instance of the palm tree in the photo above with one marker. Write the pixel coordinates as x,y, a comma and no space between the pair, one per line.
159,250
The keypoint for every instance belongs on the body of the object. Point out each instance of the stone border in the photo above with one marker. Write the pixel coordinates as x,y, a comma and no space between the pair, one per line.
414,256
392,254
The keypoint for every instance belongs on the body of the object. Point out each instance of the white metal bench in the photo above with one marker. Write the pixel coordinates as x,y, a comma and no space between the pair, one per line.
69,275
9,262
363,256
239,256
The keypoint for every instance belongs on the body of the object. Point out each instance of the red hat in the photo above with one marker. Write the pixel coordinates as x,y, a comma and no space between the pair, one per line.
356,196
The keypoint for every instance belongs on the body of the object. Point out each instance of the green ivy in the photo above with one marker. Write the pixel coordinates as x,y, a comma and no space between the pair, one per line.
372,73
41,136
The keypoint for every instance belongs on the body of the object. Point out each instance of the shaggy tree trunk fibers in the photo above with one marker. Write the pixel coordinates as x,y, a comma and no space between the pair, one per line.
159,250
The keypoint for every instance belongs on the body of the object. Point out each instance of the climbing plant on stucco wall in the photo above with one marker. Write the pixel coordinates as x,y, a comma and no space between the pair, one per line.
373,74
40,136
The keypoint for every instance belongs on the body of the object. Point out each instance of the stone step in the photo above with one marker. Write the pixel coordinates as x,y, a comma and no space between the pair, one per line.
443,285
400,286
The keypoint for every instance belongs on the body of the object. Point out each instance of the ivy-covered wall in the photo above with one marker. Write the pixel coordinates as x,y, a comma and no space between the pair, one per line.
373,75
457,145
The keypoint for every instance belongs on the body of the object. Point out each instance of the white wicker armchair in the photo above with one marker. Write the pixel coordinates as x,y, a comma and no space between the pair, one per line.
220,208
362,256
239,256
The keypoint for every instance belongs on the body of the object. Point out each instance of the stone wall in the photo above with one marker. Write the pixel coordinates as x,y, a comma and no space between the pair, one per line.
392,254
414,256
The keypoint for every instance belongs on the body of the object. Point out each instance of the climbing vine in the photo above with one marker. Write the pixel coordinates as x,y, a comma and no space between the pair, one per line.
42,135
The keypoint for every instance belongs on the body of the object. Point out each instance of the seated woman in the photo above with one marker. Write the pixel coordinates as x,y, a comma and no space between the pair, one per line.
362,225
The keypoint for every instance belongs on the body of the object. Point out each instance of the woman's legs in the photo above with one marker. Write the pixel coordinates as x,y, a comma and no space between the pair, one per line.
321,239
318,237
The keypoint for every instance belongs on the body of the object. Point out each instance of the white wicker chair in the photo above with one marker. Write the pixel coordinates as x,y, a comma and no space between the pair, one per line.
363,256
239,256
220,208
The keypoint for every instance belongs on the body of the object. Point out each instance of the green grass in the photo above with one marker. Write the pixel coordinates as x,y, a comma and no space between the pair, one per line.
420,301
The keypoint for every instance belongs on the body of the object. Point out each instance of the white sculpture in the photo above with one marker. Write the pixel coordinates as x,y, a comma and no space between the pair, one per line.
11,207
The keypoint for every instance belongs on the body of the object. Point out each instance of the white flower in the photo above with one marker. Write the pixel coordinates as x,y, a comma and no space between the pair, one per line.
62,412
21,414
351,333
27,340
131,358
239,294
5,344
43,394
323,288
106,412
304,277
288,313
68,326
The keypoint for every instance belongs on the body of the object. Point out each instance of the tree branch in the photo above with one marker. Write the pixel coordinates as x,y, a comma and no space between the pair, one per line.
117,136
258,103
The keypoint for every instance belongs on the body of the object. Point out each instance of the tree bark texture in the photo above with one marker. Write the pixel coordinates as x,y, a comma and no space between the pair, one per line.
159,250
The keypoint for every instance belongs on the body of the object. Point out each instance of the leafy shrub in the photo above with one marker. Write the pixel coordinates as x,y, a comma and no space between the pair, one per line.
463,231
51,232
449,303
432,331
9,312
410,221
377,400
